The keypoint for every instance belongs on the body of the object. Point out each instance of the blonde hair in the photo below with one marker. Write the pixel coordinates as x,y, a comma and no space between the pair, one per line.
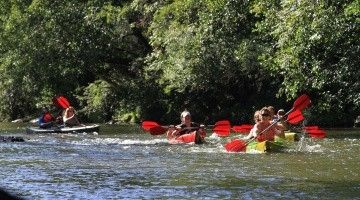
257,116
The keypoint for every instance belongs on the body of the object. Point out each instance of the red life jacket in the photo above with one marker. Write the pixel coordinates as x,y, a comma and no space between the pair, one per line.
48,117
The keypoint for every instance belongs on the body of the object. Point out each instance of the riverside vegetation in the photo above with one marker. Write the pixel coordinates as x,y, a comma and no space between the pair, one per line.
132,60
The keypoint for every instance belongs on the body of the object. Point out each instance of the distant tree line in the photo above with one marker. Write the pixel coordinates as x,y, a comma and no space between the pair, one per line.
131,60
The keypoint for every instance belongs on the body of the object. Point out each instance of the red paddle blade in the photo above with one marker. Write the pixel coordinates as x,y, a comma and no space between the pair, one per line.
147,125
61,102
311,127
245,128
316,133
157,130
295,117
301,102
236,145
222,130
222,123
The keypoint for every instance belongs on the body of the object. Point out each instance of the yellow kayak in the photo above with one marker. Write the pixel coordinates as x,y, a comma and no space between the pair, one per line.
289,137
271,146
265,146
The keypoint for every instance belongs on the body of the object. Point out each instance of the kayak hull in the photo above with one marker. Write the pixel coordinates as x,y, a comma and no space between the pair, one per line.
272,146
289,137
264,147
193,137
75,129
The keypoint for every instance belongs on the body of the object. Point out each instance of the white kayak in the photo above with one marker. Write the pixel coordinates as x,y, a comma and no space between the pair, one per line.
74,129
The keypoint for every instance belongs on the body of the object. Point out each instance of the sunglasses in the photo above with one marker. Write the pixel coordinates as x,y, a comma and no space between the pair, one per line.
265,115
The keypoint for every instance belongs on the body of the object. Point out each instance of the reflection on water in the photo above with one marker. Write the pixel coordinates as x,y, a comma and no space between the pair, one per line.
127,163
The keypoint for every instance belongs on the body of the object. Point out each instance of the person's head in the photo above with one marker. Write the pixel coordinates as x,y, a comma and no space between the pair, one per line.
257,116
265,114
281,112
70,111
185,117
271,110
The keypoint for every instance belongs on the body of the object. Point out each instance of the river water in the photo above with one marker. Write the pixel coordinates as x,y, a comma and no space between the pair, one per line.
123,162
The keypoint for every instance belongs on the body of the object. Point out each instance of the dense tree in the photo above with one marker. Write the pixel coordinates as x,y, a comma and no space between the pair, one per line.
131,60
52,47
206,58
313,45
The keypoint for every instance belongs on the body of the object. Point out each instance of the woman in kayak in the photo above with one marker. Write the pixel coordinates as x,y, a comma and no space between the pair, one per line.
265,123
253,130
69,117
185,131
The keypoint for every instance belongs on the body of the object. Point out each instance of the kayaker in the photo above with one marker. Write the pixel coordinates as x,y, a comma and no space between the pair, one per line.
279,118
280,113
186,127
70,118
272,112
265,122
46,120
252,132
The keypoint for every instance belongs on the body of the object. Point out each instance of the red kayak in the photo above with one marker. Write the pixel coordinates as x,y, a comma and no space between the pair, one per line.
196,137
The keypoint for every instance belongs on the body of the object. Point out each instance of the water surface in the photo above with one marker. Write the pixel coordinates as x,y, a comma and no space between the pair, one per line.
122,162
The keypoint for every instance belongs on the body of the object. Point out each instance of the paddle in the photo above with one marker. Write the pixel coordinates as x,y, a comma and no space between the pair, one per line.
147,125
222,128
295,117
61,102
243,129
158,130
301,103
238,145
222,123
315,132
311,127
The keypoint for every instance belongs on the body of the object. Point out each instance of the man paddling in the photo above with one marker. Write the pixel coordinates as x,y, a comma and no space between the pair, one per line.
186,127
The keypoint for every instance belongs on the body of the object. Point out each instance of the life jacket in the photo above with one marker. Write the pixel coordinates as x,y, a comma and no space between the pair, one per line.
47,117
185,130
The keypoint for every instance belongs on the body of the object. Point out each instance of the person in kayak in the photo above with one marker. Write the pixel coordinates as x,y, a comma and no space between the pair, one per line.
253,130
283,125
46,120
70,118
272,112
264,123
187,127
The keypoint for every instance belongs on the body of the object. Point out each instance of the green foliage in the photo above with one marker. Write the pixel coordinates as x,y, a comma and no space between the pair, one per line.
97,101
133,60
315,47
205,50
57,47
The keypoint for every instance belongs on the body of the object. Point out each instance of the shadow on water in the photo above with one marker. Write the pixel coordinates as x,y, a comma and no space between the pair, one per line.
4,195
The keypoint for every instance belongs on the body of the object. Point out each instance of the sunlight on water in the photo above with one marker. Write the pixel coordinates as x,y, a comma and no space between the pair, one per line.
136,165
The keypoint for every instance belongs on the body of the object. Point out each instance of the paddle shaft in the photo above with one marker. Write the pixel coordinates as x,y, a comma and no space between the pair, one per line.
271,125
